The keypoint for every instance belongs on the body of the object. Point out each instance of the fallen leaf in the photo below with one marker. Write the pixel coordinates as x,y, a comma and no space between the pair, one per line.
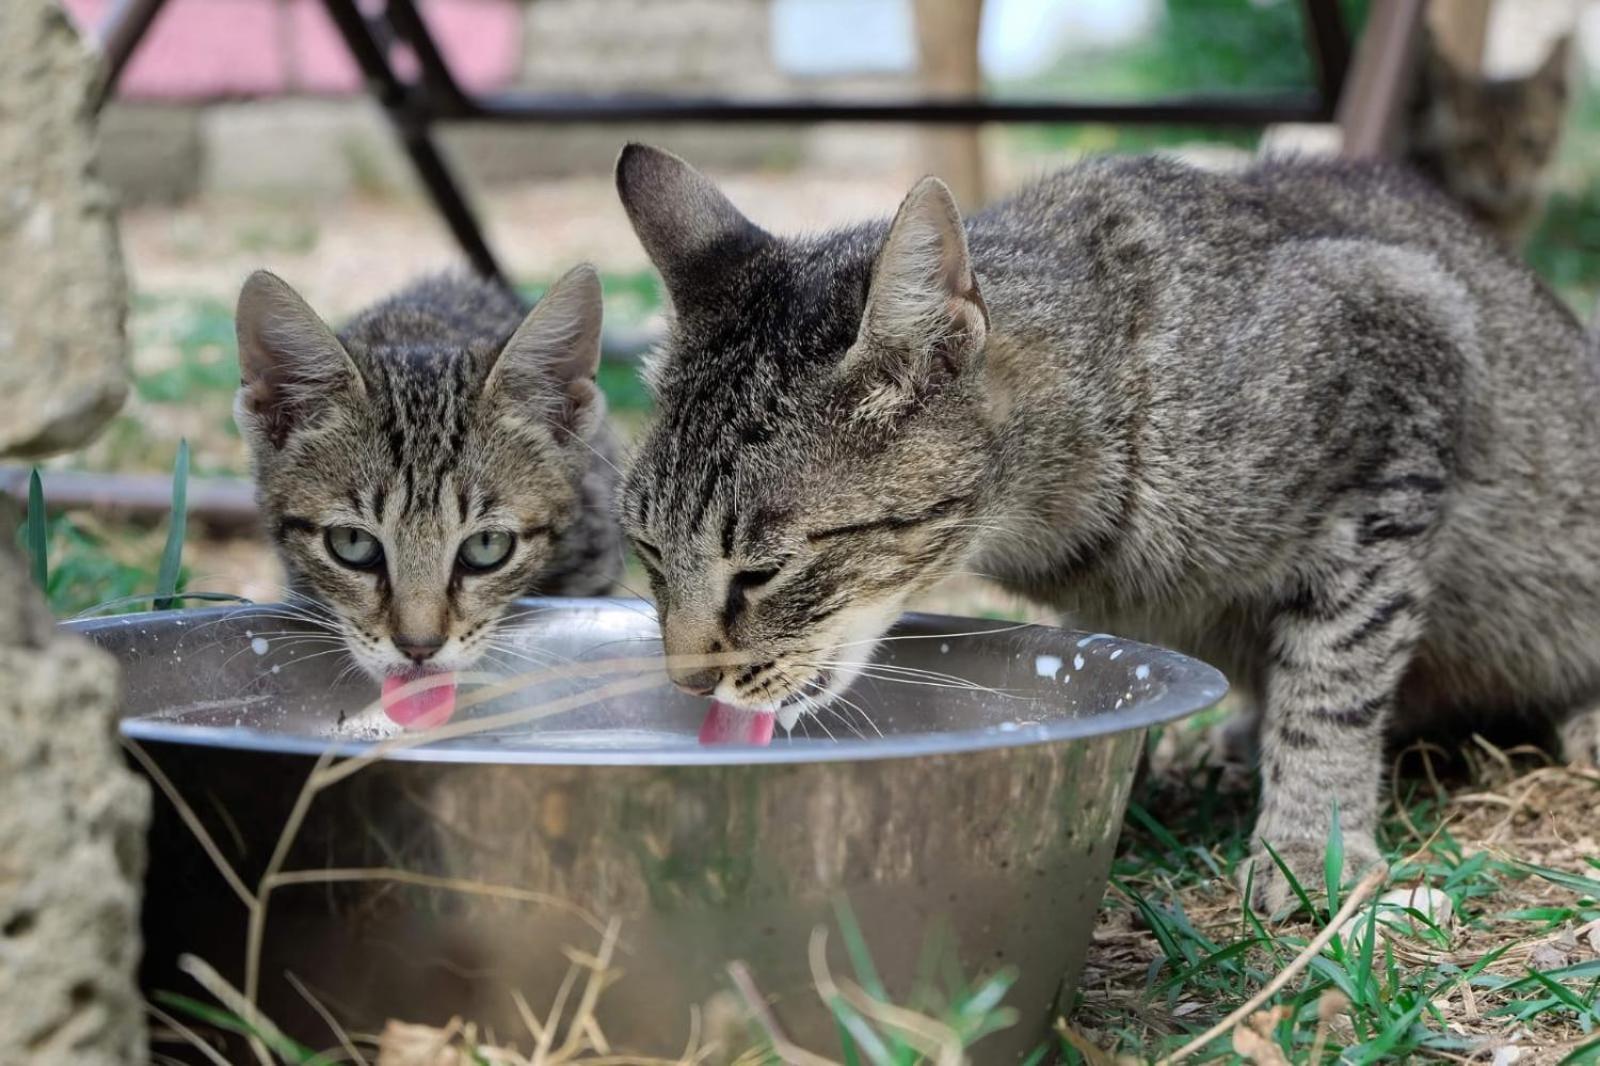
1252,1046
1548,957
401,1044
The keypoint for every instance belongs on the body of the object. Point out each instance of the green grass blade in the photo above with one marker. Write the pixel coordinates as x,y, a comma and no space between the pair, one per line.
1586,887
1566,996
285,1048
172,554
1294,882
1587,1055
1163,835
1379,1048
1211,961
986,998
1333,862
862,1035
37,533
855,946
852,1057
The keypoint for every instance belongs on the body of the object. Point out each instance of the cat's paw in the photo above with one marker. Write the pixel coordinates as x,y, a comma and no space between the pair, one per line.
1270,891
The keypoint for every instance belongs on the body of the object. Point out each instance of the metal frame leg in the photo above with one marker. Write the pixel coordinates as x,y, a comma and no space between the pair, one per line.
409,113
1378,87
118,37
1329,45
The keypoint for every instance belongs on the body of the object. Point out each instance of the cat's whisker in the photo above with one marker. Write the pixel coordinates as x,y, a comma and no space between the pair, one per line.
600,456
894,669
846,701
936,636
957,684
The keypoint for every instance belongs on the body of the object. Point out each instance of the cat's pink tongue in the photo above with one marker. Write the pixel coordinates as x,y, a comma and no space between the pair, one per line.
430,703
725,724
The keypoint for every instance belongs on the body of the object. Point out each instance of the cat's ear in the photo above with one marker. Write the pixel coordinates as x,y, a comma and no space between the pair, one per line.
291,366
925,318
1553,73
1439,70
552,358
690,230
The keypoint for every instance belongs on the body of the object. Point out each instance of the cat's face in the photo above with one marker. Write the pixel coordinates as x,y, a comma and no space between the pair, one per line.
414,489
823,434
1493,139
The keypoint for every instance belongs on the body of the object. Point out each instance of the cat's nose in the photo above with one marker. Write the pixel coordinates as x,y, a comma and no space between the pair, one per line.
418,649
697,682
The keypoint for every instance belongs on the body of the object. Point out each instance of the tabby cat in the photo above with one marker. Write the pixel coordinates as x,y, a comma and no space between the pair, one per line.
1305,421
1489,143
444,454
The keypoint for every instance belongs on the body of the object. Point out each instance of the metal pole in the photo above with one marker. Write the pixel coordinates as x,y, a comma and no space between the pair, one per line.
411,116
118,36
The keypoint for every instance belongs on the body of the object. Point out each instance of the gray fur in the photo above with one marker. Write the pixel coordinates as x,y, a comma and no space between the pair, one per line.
446,410
1306,421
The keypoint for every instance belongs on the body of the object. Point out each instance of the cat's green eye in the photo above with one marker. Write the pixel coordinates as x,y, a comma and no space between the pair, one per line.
353,547
486,550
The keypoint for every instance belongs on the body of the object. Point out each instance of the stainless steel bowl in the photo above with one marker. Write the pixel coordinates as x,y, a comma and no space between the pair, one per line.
989,807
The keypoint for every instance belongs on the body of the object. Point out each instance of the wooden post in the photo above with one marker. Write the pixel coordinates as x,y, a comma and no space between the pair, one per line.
947,51
1372,107
1460,28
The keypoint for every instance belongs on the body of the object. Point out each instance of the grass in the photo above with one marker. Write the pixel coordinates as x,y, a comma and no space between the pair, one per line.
94,571
873,1028
1519,963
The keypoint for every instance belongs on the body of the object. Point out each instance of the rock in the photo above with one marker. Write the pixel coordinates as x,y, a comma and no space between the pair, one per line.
1394,917
62,291
72,853
72,818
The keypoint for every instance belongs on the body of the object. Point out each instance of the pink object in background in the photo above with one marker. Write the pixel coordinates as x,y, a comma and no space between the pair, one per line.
206,49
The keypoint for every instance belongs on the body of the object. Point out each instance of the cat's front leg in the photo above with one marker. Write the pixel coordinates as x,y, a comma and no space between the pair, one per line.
1339,646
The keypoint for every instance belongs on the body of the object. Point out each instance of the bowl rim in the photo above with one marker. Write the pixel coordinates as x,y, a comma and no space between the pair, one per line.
1192,685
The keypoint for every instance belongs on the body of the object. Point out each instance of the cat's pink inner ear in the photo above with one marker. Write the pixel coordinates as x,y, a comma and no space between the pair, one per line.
552,358
924,314
290,362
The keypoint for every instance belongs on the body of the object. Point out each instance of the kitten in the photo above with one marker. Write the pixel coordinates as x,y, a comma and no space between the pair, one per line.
1489,142
444,454
1305,421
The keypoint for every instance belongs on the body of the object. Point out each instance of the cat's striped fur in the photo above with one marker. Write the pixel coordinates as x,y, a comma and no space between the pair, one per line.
445,411
1306,421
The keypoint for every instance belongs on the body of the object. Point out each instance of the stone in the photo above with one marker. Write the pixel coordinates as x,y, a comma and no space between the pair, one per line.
62,291
72,817
72,854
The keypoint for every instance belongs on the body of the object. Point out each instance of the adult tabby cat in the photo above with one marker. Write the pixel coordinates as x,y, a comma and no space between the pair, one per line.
444,454
1306,421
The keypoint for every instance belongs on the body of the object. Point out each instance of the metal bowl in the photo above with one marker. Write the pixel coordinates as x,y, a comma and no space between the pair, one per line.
987,812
